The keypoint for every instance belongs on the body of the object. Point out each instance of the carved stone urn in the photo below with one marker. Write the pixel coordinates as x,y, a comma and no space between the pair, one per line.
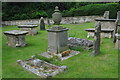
57,16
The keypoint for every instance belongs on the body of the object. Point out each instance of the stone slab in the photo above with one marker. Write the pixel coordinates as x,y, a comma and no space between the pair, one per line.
16,32
42,68
102,30
111,20
30,28
27,26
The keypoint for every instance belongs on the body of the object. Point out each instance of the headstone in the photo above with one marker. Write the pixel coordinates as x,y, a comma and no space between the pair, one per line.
117,44
48,22
42,24
57,39
115,31
96,47
118,15
106,15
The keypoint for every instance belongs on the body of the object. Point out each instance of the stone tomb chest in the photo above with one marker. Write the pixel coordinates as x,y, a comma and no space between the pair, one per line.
104,32
16,38
107,28
31,28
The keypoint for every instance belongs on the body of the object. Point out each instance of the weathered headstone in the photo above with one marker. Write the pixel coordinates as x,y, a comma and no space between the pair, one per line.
118,15
42,24
117,44
115,31
96,48
106,15
57,39
48,22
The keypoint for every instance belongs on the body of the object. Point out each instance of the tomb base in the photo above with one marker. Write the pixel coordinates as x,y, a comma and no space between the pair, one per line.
60,56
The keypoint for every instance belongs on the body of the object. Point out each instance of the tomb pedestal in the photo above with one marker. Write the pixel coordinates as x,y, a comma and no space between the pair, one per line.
16,38
30,28
58,44
57,39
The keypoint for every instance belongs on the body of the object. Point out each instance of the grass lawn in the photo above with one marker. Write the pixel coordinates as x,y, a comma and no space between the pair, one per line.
83,65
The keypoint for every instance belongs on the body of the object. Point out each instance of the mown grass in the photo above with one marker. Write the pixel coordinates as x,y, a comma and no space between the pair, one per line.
83,65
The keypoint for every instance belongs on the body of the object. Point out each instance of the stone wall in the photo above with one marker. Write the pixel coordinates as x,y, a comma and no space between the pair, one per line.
65,20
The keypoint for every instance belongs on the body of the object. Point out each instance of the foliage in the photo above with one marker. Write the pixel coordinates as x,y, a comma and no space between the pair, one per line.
29,10
93,9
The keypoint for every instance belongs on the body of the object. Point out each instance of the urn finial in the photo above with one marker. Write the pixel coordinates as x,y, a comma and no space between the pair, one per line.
56,9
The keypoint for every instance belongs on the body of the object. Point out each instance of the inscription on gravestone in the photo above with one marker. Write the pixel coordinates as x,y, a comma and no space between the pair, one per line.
96,48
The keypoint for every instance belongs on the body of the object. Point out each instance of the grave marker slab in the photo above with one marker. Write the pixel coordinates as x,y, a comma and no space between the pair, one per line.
117,44
106,15
96,48
42,24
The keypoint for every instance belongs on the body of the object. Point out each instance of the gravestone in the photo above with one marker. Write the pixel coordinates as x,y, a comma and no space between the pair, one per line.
48,22
96,47
115,31
42,24
117,44
118,15
106,15
57,39
16,38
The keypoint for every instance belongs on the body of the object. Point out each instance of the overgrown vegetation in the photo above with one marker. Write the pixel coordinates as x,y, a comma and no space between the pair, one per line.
29,10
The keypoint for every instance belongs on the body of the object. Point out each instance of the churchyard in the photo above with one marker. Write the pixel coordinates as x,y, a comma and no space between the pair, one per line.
78,50
83,65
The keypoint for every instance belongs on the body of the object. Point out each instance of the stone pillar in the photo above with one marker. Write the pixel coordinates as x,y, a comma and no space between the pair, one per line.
42,24
118,15
106,15
57,39
96,48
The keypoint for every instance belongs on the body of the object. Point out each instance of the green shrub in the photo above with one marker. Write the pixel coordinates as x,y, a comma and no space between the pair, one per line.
93,9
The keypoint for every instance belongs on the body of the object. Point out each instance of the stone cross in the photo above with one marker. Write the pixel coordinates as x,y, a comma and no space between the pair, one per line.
42,24
118,15
106,15
96,48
